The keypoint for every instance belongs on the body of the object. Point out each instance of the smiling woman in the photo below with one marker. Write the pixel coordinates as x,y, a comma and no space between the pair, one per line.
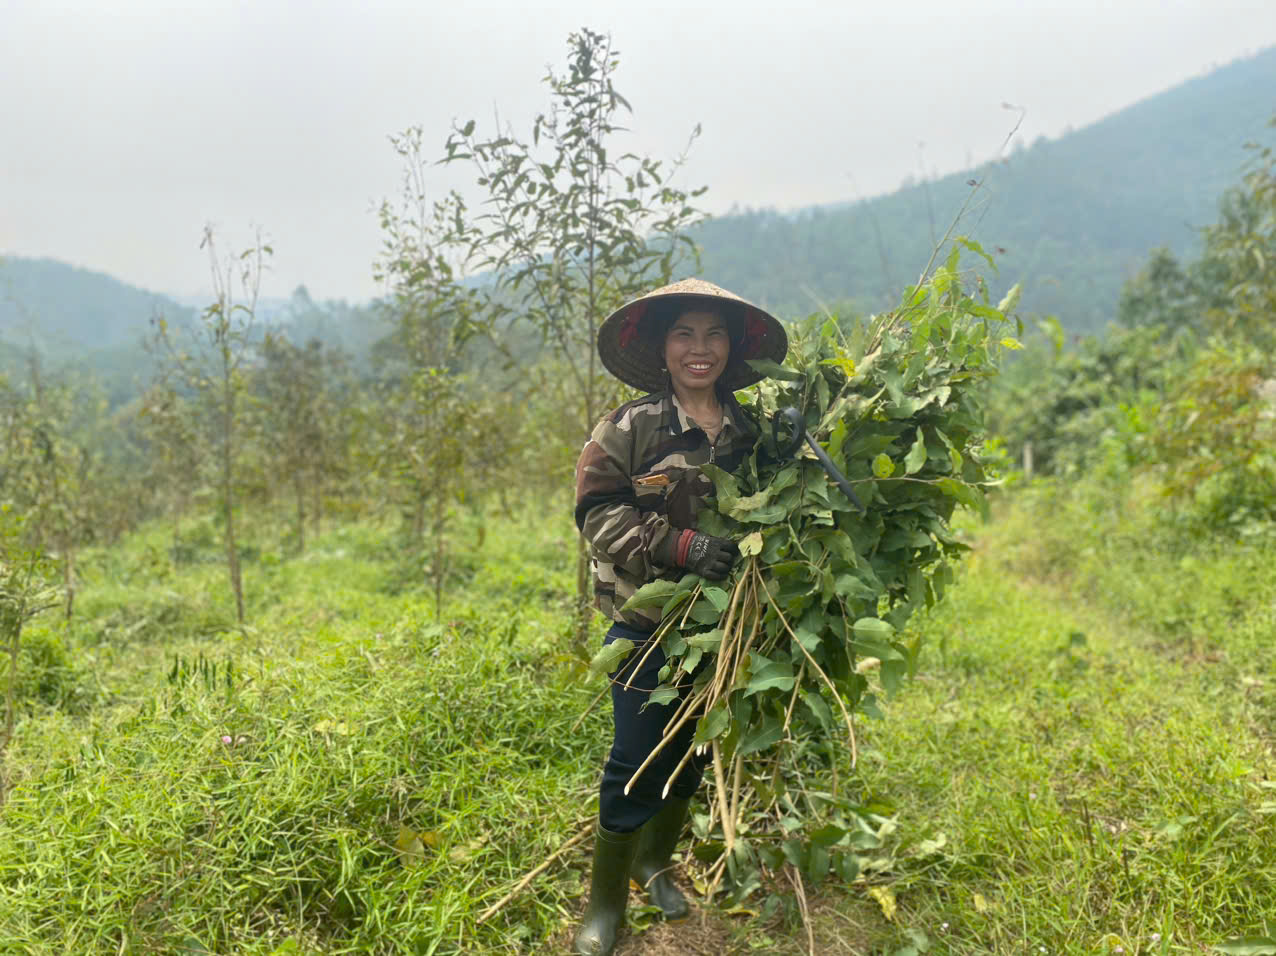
639,487
696,349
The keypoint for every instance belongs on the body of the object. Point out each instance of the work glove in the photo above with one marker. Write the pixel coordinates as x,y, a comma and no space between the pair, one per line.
702,554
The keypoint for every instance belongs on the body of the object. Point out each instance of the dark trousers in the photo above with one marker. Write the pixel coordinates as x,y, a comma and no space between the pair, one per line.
638,730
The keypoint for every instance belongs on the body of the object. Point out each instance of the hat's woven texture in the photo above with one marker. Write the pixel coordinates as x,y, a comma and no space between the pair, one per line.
636,359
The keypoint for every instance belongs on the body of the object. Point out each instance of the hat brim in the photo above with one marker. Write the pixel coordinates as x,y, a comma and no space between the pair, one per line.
637,360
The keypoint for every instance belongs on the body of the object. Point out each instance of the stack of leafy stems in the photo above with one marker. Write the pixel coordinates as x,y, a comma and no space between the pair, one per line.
741,629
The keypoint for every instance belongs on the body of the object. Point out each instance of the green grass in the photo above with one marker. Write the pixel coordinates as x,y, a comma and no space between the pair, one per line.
1091,790
351,713
1075,767
1092,733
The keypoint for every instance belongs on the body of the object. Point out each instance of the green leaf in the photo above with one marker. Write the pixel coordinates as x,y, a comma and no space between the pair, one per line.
1249,946
852,588
777,675
873,629
807,638
663,694
883,467
837,438
765,735
410,846
971,497
772,369
794,852
610,657
707,640
724,483
704,612
916,456
751,502
751,544
718,597
713,724
828,834
974,247
1011,299
776,544
771,514
651,594
819,708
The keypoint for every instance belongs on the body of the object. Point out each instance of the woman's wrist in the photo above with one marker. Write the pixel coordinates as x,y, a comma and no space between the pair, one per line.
684,547
673,550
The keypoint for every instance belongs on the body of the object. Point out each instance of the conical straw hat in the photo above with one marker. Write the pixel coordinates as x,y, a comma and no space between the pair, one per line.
635,358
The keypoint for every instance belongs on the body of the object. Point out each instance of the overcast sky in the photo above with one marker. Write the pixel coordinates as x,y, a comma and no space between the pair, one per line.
128,124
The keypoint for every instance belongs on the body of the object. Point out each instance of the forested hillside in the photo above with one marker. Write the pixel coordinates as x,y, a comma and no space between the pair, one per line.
97,328
58,306
1075,216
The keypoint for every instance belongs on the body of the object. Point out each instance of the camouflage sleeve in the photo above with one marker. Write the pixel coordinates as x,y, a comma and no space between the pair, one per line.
608,514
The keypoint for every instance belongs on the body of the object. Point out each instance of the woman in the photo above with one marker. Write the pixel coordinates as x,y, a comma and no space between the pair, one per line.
638,488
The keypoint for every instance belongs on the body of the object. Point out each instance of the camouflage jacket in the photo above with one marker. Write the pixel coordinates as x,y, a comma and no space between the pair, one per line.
638,476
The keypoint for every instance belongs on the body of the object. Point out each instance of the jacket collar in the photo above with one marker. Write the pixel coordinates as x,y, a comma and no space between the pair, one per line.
675,420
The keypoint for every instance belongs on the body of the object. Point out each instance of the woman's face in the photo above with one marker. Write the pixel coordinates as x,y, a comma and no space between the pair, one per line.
697,346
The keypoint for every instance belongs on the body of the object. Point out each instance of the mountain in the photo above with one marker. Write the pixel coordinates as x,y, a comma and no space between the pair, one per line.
61,308
1074,216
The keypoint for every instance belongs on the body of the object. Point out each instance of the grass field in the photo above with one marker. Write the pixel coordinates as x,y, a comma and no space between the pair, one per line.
1083,764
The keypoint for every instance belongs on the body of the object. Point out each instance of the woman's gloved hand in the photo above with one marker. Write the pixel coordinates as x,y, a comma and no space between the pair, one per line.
702,554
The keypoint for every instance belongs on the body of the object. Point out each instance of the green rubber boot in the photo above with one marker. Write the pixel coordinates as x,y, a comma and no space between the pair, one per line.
608,892
652,869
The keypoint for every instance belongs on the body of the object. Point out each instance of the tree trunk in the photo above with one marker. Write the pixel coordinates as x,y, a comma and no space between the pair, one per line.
232,551
316,510
299,488
418,517
232,558
439,566
68,577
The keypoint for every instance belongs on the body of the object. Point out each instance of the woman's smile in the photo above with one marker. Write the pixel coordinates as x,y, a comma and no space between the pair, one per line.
696,350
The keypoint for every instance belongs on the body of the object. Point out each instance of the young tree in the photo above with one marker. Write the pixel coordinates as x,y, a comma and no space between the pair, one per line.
426,433
1243,244
213,370
571,228
171,436
26,590
293,385
45,468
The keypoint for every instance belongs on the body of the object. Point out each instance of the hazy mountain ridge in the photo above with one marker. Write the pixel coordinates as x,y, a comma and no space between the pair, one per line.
1076,215
62,308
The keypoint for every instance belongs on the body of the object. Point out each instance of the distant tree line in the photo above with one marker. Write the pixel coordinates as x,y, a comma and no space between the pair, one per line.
1182,386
